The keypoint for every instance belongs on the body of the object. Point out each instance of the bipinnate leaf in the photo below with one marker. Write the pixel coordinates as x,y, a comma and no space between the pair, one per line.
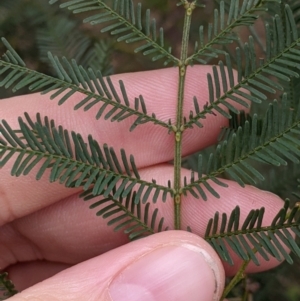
65,39
220,31
272,140
95,89
253,83
110,179
227,235
125,214
126,23
73,161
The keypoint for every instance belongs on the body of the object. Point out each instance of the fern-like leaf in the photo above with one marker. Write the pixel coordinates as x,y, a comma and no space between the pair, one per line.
73,161
282,62
226,234
125,22
125,214
96,89
220,32
273,141
98,57
61,37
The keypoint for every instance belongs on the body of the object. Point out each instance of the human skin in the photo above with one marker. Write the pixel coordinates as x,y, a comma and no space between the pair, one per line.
48,233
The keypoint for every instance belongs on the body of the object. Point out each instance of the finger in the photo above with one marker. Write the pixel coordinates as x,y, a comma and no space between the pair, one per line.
69,231
169,266
150,144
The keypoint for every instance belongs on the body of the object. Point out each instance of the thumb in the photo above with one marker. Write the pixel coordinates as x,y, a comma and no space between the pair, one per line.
169,266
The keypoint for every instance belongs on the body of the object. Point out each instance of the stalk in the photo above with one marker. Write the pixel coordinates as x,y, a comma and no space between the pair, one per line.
179,128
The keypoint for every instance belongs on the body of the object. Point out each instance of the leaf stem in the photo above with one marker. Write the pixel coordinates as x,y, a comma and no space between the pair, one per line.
236,279
179,128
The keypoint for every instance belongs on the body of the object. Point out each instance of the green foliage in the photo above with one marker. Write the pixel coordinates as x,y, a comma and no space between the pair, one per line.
252,237
7,288
73,161
125,22
268,136
220,31
71,79
133,222
60,36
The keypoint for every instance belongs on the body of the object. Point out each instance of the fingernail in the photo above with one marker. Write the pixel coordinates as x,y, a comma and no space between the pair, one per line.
170,273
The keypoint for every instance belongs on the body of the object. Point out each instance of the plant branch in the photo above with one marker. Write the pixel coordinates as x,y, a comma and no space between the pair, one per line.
178,128
236,279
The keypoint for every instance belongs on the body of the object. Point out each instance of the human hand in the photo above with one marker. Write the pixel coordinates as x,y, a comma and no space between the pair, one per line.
47,232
